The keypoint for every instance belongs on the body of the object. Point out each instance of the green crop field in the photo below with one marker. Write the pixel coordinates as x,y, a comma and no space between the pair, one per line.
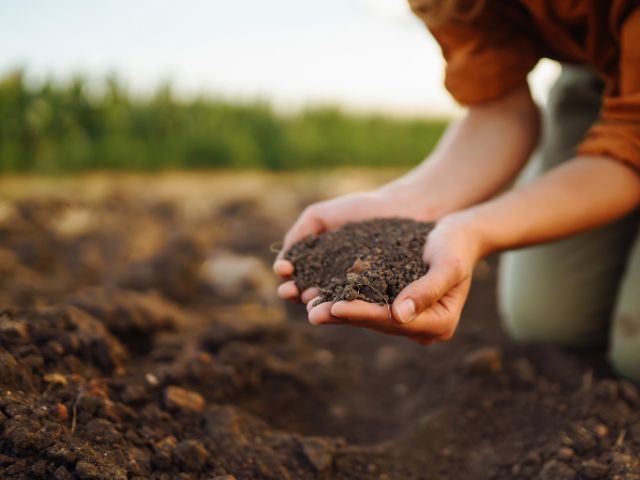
69,127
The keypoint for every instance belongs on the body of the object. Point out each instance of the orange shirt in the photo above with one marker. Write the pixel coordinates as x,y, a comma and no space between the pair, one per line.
496,50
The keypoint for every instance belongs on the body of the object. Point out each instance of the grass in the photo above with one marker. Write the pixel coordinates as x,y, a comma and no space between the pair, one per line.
57,128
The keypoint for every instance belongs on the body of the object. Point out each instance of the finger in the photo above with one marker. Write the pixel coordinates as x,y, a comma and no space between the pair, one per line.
313,302
307,224
440,320
371,315
361,311
377,317
433,323
288,291
321,315
283,268
309,294
425,292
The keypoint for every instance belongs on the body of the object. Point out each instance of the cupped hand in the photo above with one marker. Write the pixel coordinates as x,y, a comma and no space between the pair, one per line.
329,215
428,309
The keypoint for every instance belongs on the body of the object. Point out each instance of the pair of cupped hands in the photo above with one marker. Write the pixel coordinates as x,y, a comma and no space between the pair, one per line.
427,310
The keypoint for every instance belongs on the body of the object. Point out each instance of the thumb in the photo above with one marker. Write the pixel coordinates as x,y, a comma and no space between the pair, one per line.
308,223
426,291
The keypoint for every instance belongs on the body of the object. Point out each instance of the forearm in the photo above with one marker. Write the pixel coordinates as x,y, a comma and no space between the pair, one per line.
582,194
475,158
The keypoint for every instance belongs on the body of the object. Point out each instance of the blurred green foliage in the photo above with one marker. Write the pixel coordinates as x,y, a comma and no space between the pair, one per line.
58,128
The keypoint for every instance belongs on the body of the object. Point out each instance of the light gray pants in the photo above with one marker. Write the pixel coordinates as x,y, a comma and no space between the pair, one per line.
582,290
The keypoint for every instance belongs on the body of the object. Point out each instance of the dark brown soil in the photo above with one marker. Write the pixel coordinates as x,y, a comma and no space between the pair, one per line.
371,261
130,350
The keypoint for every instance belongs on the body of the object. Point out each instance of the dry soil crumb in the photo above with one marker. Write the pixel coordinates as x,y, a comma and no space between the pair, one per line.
372,260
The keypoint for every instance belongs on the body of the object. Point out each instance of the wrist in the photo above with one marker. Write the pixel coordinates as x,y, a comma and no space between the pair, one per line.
469,224
414,198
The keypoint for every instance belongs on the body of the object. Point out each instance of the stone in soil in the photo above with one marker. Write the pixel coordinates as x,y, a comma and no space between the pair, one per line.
319,452
178,398
484,360
371,260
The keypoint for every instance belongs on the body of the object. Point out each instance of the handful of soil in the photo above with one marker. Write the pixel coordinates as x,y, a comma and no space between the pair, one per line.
371,260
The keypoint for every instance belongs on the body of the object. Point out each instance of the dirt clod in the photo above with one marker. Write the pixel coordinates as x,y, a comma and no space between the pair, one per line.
87,470
191,455
177,398
61,473
61,411
319,452
371,260
593,469
566,453
99,325
484,360
555,470
12,331
55,378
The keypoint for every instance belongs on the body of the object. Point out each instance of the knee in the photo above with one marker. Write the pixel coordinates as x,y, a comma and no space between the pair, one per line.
626,364
534,308
626,367
624,354
541,322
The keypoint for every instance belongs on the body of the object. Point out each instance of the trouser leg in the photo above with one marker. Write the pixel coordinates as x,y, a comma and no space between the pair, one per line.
625,333
564,292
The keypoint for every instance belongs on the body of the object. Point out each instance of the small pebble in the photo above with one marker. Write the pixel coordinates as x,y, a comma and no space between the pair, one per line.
593,469
484,360
133,393
13,332
338,411
524,371
152,379
400,389
191,455
556,470
629,392
624,461
55,378
62,412
601,430
178,398
607,390
582,440
566,453
62,473
324,357
318,451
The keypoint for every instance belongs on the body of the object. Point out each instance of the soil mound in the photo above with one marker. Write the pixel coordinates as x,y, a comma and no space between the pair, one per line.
371,260
120,358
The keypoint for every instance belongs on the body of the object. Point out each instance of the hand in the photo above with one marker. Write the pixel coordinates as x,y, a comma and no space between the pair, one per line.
428,309
331,214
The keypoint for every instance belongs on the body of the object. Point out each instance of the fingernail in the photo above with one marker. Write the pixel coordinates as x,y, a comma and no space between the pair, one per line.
313,320
406,310
312,303
282,290
278,265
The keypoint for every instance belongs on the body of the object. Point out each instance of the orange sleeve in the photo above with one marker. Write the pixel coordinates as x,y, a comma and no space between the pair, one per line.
486,58
617,134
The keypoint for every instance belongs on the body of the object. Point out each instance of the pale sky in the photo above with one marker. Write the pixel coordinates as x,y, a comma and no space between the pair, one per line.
364,54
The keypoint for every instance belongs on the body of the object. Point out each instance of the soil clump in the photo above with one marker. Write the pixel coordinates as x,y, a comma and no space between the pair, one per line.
371,260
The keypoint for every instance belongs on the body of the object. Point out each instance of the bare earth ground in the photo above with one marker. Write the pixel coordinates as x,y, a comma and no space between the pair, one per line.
140,338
